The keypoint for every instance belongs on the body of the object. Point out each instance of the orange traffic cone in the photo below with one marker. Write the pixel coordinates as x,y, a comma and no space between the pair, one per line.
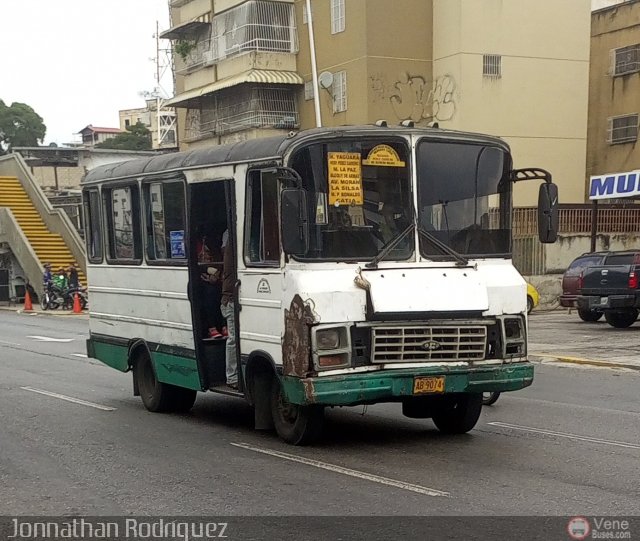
77,309
28,307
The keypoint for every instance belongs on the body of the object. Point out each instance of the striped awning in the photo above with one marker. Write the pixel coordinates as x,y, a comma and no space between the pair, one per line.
253,76
186,28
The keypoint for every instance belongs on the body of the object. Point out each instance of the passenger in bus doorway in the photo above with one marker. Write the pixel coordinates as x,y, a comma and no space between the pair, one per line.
227,307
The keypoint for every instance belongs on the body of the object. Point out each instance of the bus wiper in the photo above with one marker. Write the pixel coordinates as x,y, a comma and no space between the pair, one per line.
442,246
373,264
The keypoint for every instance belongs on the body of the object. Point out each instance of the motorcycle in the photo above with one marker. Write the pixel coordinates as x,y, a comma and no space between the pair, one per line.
54,297
490,398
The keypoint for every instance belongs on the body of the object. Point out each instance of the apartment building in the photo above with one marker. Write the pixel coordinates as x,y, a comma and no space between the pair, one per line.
614,90
518,69
159,119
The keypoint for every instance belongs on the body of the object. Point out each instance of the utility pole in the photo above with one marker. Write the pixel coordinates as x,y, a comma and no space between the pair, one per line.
314,67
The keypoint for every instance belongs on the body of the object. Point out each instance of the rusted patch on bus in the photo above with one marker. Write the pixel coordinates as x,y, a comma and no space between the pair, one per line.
296,346
309,391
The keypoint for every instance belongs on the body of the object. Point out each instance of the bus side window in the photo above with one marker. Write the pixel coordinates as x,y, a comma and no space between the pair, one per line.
93,226
262,230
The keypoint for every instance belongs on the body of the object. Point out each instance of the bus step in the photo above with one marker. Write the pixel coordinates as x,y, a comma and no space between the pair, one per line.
225,389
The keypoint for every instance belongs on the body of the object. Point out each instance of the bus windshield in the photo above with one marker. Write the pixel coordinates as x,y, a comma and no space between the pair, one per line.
359,194
464,198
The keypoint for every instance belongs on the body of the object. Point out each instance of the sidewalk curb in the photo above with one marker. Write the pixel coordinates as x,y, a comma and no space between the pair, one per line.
49,313
542,358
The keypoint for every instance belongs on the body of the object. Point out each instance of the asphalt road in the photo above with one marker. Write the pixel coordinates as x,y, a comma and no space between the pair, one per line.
570,444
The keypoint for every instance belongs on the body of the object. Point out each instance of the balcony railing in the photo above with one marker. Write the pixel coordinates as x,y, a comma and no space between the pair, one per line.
244,108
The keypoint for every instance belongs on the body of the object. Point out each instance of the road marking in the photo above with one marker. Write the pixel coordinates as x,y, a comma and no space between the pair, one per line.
346,471
81,355
69,399
9,343
49,339
566,435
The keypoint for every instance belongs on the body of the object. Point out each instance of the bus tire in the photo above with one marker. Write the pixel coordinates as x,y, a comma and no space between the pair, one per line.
458,413
295,424
156,396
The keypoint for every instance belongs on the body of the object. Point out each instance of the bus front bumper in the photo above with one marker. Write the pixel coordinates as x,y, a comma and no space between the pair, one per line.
394,385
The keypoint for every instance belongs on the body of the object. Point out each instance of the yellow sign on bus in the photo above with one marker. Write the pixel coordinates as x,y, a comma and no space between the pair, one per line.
345,178
383,155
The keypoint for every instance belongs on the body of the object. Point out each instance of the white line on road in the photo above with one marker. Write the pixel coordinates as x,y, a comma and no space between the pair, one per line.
81,355
566,435
69,399
49,339
346,471
9,343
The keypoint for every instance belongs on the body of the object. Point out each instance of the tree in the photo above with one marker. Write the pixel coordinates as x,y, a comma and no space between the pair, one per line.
137,137
20,126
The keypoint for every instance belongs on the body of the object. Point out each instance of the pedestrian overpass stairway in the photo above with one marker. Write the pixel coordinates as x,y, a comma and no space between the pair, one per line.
49,247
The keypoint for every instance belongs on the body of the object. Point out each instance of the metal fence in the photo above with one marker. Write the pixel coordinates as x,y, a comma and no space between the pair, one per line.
577,219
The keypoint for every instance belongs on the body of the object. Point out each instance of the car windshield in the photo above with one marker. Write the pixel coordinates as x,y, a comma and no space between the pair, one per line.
464,195
359,195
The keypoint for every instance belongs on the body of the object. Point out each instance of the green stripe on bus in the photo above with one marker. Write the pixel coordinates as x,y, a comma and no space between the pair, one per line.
176,370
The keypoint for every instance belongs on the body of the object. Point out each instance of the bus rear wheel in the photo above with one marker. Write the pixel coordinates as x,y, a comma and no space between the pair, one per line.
156,396
458,413
295,424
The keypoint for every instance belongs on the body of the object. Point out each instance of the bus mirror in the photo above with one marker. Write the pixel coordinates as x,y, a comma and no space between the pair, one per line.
548,212
295,225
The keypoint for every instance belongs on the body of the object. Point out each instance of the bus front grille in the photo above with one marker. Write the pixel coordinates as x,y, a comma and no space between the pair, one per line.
428,344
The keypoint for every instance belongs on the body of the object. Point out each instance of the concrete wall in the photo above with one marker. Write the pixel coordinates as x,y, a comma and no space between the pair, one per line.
68,177
539,104
560,254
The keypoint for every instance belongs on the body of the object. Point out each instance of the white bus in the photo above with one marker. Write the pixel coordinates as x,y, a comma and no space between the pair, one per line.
372,264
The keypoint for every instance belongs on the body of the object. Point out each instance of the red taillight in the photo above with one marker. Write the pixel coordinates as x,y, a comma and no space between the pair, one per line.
633,280
581,280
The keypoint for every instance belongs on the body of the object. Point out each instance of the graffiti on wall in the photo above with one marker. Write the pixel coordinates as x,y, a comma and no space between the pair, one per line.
413,97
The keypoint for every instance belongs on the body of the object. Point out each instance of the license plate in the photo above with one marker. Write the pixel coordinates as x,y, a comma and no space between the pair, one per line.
428,385
604,300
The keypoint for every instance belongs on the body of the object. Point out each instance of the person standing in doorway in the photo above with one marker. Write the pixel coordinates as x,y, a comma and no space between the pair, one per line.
227,307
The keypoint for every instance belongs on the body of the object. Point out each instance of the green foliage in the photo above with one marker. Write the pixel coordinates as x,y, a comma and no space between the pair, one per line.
137,137
184,48
20,126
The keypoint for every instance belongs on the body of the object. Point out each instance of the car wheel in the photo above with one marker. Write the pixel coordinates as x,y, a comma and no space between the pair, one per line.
589,315
529,304
622,319
490,398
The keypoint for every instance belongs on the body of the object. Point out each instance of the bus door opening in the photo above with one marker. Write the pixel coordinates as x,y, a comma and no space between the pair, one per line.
209,234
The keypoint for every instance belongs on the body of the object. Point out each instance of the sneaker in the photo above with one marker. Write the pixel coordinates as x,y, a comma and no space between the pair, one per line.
225,332
215,334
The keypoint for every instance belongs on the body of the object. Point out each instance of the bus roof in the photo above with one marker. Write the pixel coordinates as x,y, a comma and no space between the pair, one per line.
256,150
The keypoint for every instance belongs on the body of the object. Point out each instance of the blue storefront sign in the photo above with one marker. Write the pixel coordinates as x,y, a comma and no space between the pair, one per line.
615,185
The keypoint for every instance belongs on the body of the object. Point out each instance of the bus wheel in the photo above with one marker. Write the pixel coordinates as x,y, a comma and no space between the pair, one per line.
459,413
298,425
157,396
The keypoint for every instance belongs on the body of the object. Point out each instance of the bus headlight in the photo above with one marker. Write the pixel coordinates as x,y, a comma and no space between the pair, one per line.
328,339
514,337
331,347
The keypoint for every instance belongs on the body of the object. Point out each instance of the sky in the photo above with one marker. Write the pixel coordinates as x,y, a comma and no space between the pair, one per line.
78,62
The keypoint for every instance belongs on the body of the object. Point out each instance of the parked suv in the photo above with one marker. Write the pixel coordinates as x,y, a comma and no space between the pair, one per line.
571,283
